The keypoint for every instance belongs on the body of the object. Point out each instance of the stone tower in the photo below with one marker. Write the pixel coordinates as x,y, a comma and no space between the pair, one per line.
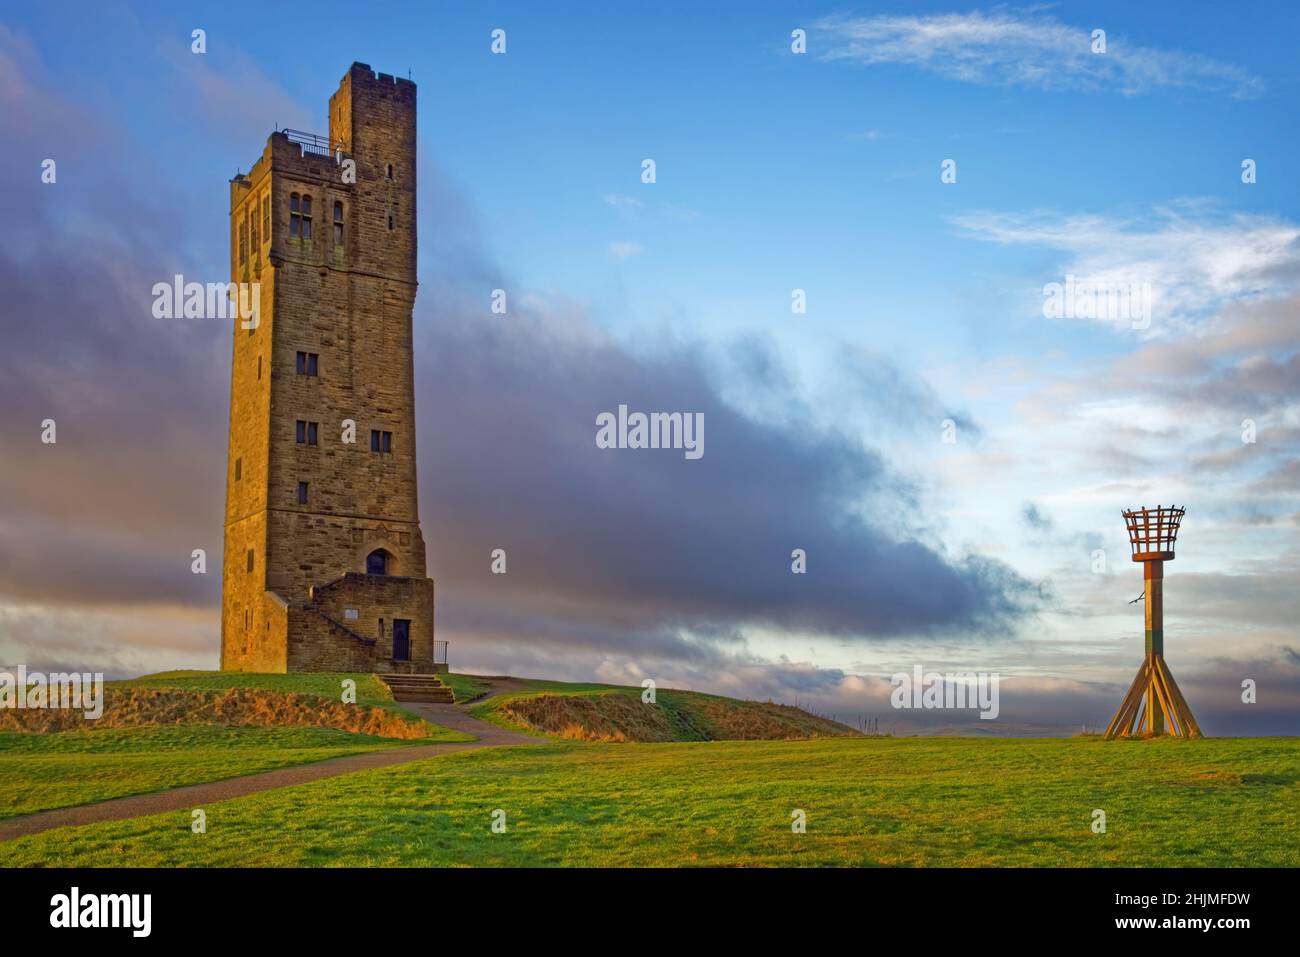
324,564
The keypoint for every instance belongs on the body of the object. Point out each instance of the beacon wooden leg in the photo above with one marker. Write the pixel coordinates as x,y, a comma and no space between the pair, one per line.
1123,719
1153,697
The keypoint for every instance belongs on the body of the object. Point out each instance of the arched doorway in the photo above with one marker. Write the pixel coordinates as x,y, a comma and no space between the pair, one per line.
379,562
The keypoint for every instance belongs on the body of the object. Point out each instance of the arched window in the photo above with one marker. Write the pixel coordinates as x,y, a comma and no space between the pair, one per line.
338,224
377,562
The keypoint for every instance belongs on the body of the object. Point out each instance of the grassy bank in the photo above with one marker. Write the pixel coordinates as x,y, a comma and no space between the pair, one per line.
325,684
169,730
617,714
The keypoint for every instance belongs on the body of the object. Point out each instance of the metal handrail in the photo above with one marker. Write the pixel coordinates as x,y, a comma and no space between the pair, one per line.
314,143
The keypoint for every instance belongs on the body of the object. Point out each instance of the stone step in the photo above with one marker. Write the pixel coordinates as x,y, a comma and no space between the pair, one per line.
408,676
393,682
407,687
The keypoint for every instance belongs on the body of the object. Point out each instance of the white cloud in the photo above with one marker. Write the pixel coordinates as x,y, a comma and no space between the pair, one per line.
1007,48
1197,264
623,250
622,202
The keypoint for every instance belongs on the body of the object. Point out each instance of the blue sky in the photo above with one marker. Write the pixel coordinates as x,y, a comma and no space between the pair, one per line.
774,169
819,172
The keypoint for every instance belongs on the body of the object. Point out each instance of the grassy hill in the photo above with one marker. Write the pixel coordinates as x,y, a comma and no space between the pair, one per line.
371,692
867,801
688,783
612,713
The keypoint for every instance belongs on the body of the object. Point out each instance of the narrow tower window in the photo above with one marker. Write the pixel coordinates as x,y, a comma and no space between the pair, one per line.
306,216
295,216
266,218
338,224
390,170
239,469
390,220
302,493
243,239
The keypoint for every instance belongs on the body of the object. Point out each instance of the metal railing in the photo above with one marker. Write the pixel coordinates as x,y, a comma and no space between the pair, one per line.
315,143
439,652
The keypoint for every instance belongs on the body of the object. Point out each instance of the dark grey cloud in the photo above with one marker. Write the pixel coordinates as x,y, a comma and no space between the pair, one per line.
609,551
1284,477
111,512
641,545
1268,596
509,460
1035,518
1243,390
888,397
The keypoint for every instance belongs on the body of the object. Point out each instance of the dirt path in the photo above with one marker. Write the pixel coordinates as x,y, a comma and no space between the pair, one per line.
499,685
456,718
196,795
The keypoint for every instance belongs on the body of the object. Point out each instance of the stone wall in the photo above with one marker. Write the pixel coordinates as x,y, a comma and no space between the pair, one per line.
375,598
318,644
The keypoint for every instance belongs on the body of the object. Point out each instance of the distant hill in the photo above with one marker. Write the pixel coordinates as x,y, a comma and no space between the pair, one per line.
618,714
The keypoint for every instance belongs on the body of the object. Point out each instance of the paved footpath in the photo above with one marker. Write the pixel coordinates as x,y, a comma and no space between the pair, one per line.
196,795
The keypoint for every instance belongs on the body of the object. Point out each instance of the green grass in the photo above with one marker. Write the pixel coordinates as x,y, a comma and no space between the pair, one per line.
370,690
326,684
464,687
869,801
43,771
574,687
606,711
